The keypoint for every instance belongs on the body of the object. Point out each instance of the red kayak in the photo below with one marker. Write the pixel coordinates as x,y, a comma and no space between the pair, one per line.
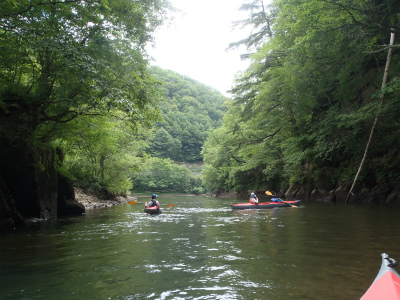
153,210
386,285
265,205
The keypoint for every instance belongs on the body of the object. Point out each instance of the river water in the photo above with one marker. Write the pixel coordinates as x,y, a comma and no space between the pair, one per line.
201,249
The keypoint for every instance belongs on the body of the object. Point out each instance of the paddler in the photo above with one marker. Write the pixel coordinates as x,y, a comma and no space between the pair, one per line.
276,199
253,199
153,201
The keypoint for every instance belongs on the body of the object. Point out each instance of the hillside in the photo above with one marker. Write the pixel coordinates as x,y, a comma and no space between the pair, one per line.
301,115
190,110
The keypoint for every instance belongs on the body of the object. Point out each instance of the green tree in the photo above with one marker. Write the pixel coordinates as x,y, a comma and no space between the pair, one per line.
165,146
308,96
102,152
163,175
61,60
261,18
190,110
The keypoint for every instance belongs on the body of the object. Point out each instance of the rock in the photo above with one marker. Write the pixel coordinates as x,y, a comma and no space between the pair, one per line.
91,200
73,207
7,224
31,179
66,201
330,197
292,191
9,216
394,196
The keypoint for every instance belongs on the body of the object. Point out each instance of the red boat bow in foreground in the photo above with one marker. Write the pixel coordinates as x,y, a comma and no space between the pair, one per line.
386,285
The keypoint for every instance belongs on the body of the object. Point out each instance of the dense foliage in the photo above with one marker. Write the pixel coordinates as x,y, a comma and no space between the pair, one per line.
102,152
163,175
60,60
75,74
190,110
305,106
112,153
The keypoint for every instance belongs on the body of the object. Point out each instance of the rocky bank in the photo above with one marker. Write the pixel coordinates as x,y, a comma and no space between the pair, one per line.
97,200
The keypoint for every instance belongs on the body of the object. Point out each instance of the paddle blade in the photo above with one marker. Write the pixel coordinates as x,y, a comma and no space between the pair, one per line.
132,202
268,193
169,205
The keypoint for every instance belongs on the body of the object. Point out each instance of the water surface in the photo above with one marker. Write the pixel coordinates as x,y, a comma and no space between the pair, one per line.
201,249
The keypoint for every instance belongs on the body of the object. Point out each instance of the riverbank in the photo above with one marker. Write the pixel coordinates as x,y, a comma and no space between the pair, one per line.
92,200
97,200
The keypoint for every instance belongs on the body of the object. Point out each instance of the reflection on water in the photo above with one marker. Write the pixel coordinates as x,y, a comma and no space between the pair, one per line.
201,249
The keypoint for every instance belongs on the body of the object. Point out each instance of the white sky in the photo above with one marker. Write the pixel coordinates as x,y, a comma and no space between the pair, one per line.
195,43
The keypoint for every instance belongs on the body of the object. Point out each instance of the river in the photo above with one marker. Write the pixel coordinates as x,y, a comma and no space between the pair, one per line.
201,249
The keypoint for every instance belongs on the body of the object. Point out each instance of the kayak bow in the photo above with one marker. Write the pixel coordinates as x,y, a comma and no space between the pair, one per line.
386,285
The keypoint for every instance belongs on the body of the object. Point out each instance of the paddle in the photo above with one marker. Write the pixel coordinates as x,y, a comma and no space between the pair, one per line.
270,194
145,204
134,202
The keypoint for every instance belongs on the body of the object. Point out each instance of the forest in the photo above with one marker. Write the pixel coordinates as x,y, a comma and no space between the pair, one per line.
108,153
81,105
190,110
302,114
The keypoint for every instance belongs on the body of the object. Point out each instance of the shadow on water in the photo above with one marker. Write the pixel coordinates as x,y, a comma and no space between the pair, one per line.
201,249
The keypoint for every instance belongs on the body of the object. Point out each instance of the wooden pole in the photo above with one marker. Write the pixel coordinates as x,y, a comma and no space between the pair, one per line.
385,75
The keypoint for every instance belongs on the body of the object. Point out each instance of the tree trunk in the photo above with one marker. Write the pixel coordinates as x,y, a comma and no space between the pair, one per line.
385,75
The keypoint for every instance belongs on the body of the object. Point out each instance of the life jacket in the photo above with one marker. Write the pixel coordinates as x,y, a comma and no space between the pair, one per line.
153,202
251,200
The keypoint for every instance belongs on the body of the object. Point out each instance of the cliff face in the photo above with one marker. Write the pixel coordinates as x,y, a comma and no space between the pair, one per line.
376,194
30,186
323,188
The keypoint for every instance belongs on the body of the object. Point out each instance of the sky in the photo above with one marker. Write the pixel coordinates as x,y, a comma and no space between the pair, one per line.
194,43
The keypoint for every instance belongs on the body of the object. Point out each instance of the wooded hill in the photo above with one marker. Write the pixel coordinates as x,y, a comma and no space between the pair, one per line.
190,110
302,113
110,153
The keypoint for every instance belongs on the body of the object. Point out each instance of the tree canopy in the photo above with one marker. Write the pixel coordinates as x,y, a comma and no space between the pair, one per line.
61,60
112,153
304,108
73,74
190,110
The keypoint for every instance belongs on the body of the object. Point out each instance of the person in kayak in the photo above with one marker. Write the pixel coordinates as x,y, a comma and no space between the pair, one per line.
253,199
153,201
